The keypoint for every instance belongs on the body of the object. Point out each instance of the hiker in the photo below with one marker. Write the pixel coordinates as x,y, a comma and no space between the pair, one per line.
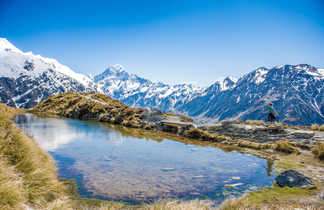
272,113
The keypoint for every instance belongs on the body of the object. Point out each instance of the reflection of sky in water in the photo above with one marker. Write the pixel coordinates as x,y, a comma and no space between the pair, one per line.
117,167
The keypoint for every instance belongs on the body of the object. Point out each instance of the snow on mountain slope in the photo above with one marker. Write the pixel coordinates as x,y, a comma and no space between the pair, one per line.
26,79
297,92
138,92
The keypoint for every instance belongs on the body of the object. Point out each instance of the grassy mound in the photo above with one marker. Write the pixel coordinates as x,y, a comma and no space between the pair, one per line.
91,106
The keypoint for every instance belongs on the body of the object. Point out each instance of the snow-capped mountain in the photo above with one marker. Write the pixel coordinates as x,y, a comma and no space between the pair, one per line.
139,92
26,79
296,91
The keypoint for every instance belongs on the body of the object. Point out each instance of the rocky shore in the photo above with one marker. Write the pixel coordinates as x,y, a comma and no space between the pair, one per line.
98,107
290,147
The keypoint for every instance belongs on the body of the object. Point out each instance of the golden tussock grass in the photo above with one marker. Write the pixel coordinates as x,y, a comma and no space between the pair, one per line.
318,151
29,174
286,147
316,127
321,128
11,187
254,145
255,122
197,133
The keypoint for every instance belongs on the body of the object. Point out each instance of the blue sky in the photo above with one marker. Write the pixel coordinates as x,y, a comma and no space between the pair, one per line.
172,41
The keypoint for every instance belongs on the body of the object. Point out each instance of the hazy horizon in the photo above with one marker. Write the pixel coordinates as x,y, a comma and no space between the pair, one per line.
193,41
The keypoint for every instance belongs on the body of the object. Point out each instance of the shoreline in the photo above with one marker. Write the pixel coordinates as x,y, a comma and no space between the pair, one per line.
277,160
303,161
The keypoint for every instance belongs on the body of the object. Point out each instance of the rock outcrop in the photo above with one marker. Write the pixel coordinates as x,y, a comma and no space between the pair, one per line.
263,133
292,178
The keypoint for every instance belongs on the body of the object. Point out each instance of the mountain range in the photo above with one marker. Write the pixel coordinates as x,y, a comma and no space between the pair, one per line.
296,90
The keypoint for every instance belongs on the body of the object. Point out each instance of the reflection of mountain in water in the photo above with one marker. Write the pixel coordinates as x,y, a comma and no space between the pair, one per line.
51,133
125,165
115,138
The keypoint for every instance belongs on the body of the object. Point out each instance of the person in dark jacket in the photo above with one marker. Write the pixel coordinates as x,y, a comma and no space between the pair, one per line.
272,113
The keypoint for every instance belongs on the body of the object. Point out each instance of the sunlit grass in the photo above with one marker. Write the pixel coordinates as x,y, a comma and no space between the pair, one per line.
272,197
286,147
318,150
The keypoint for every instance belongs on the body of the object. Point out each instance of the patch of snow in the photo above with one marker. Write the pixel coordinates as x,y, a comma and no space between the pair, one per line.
321,72
5,45
13,64
260,75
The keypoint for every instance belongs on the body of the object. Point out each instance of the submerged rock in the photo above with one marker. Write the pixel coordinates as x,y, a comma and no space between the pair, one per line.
292,178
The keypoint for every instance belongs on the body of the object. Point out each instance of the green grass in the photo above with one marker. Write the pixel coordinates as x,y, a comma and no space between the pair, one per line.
275,196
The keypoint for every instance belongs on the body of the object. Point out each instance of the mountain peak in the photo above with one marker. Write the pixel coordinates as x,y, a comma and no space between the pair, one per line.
5,45
116,68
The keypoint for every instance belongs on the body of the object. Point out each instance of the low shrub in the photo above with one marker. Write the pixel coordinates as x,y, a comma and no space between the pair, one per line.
315,127
197,133
321,128
254,145
255,122
318,151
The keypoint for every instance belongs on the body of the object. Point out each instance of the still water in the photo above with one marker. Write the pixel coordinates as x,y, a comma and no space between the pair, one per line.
115,163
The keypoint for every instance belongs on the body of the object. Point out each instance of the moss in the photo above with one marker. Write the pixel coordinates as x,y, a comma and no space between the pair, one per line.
318,151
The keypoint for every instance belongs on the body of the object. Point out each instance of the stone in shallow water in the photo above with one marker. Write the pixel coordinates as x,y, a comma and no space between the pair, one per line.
292,178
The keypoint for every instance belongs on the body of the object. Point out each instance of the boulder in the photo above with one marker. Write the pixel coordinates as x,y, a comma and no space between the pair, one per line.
292,178
152,116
